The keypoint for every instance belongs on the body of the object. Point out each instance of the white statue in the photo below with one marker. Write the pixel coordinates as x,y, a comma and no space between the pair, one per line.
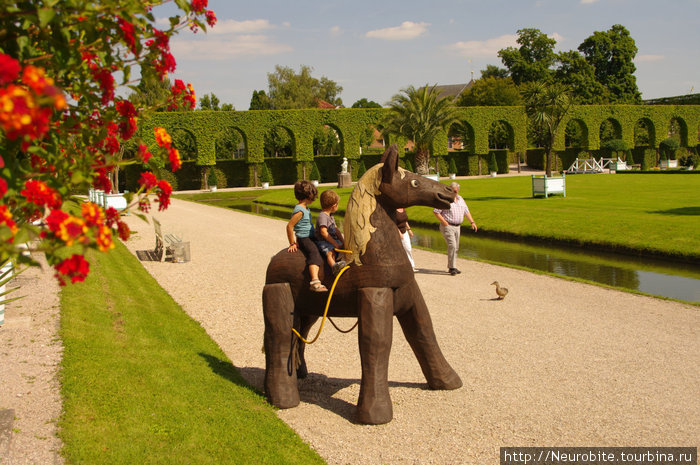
344,166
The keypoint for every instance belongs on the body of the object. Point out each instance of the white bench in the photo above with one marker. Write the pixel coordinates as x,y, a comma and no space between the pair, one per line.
165,243
548,185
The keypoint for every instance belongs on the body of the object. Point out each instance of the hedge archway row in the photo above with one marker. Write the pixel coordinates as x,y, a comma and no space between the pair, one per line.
350,122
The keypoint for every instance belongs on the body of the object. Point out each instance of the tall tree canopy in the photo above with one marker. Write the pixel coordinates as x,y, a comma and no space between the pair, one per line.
533,60
212,102
611,55
291,90
491,91
260,101
579,75
419,115
364,103
494,71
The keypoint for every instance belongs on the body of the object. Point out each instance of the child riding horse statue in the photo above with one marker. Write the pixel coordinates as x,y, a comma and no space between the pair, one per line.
378,285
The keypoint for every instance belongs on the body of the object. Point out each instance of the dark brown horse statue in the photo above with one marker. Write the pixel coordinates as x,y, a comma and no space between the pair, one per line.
379,285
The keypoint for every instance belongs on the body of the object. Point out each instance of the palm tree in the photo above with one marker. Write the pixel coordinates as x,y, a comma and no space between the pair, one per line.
419,115
546,104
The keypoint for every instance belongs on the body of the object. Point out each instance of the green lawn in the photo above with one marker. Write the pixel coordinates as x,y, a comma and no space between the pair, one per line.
142,383
642,213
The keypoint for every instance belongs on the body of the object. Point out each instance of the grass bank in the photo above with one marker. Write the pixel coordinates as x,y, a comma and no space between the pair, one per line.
636,213
142,383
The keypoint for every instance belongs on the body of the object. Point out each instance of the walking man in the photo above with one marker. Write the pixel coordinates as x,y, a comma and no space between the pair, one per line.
450,226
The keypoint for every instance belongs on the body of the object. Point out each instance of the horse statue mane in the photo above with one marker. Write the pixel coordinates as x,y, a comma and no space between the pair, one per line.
361,205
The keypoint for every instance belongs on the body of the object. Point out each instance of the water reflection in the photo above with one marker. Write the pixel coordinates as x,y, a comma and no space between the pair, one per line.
652,276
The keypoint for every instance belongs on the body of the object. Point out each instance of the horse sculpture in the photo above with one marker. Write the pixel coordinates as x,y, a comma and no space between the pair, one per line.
378,285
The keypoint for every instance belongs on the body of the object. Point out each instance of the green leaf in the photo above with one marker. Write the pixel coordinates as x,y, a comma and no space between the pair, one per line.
45,16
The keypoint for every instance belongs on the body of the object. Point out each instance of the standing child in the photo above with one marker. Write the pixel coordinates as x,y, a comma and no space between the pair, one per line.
300,232
329,236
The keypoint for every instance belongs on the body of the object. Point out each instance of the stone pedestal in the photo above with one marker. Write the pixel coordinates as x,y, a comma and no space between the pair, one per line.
344,180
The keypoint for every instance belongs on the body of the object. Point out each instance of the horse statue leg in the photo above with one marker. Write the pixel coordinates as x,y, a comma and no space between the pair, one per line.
418,330
280,373
305,324
376,313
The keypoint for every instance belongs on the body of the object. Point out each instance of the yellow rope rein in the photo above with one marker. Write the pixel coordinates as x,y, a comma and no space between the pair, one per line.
328,304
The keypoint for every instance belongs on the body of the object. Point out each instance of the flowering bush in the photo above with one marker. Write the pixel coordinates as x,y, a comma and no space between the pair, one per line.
63,124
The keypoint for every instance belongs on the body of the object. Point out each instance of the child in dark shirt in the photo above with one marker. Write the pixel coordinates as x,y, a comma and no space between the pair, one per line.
328,236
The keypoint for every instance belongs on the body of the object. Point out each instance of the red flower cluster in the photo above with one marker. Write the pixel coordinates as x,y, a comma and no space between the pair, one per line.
7,219
76,268
144,153
126,109
211,18
198,6
38,193
181,95
163,193
26,109
164,140
166,62
128,33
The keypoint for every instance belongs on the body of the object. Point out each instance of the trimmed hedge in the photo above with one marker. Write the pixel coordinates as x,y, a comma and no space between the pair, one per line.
349,123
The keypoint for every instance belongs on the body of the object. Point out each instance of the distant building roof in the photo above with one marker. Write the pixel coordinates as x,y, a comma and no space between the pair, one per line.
322,104
453,90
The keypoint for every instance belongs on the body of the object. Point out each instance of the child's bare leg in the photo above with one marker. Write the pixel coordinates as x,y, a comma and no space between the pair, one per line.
330,258
313,271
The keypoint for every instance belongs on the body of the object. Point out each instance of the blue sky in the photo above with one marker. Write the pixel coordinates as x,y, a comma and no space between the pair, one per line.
373,49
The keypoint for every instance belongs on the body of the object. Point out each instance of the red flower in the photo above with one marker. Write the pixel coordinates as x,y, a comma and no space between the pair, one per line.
3,187
123,230
6,218
9,69
148,180
126,109
92,214
174,156
55,219
38,193
211,18
164,191
144,153
75,267
199,5
128,33
112,216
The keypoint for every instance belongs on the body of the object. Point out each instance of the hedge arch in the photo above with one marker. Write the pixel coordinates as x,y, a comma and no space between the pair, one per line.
683,128
648,126
350,122
580,125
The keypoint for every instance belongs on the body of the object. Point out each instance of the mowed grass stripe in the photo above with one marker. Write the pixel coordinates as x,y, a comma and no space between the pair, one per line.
143,383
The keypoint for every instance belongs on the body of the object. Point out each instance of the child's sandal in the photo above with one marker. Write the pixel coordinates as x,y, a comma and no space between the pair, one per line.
317,286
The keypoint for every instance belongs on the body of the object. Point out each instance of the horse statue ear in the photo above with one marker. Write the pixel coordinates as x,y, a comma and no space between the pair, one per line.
390,158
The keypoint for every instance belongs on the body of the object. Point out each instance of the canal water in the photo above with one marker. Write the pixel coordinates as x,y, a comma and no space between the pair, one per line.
652,276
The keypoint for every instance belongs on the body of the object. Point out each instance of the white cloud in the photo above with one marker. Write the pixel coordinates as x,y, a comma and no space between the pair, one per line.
588,2
648,58
483,48
223,49
231,26
408,30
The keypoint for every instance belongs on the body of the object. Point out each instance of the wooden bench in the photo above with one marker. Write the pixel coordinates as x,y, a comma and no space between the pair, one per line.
165,243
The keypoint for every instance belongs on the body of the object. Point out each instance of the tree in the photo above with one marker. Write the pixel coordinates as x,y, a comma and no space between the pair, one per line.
491,91
54,147
211,102
494,71
533,60
579,75
364,103
546,104
260,101
611,54
419,115
290,90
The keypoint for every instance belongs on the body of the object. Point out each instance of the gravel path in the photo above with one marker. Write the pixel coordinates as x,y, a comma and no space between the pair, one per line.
555,363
